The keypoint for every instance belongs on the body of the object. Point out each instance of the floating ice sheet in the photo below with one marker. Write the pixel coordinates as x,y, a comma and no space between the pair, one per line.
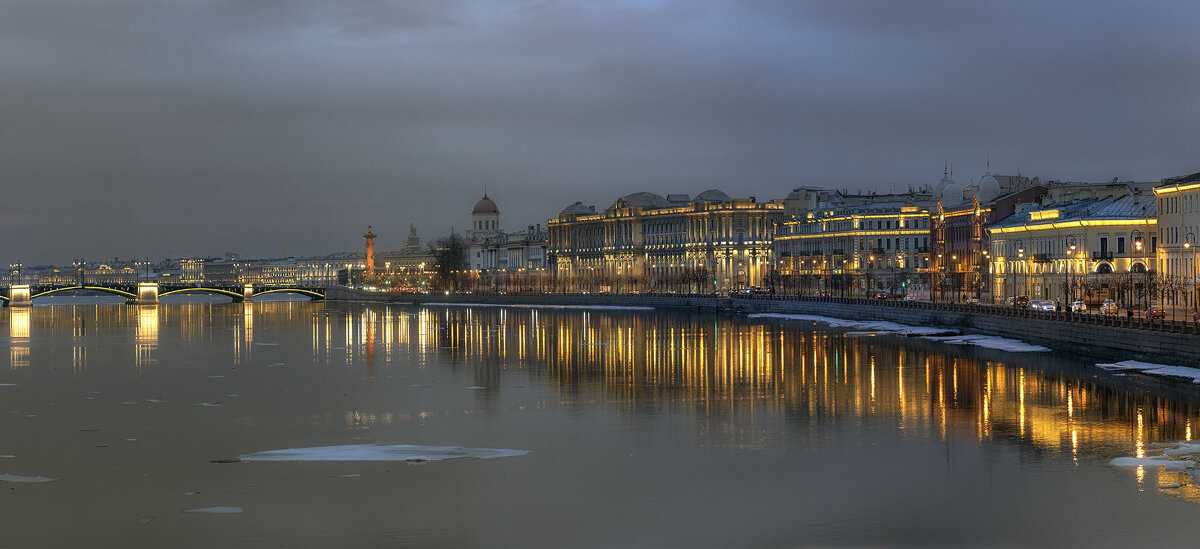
863,327
374,452
8,384
1174,456
27,480
216,510
1154,369
992,342
532,306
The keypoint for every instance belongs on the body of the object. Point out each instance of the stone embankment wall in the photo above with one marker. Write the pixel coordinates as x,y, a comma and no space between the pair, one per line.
1115,338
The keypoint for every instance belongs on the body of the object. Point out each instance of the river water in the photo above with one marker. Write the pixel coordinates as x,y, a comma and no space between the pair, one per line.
643,429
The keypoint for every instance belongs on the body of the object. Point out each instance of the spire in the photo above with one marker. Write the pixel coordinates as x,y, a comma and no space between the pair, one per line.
946,169
989,163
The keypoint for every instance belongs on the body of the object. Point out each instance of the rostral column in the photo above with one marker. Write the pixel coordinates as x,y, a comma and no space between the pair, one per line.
370,236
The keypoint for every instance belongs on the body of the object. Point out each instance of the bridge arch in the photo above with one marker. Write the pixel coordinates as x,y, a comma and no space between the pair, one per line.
236,296
102,289
314,295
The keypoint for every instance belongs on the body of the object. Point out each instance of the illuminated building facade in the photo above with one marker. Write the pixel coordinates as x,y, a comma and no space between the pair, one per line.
959,259
856,250
677,243
1082,241
1178,202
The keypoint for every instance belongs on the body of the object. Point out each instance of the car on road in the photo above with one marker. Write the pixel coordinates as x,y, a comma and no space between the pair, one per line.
1078,307
882,295
1109,307
1022,301
910,297
1156,312
972,301
1042,305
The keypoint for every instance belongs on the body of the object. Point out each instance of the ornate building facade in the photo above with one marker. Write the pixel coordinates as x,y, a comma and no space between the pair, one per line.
677,244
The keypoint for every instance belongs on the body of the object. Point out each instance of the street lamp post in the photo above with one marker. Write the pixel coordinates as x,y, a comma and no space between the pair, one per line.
1188,244
1024,267
941,277
1070,269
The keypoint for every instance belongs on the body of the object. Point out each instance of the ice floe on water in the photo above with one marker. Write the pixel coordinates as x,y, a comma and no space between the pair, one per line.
8,384
216,510
532,306
863,327
944,335
992,342
1173,457
1154,369
26,480
375,452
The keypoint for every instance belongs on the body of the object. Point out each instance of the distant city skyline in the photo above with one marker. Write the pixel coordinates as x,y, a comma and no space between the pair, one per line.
164,130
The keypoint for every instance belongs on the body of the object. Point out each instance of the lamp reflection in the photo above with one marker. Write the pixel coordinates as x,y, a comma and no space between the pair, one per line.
146,339
19,319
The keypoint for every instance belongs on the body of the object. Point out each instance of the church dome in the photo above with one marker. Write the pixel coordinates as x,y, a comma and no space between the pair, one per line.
989,188
485,206
941,186
952,194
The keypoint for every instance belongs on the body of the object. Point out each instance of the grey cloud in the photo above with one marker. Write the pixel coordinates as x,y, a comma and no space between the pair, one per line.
157,129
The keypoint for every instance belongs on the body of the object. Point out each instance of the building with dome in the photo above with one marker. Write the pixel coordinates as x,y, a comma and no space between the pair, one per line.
959,260
674,243
501,260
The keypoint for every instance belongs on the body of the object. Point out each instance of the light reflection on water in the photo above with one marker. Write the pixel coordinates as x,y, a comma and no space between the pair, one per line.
299,374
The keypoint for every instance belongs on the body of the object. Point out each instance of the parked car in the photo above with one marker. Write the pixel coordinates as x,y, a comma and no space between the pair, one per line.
1109,307
1155,312
1079,307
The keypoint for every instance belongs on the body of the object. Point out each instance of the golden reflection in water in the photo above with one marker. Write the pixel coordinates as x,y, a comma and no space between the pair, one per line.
146,337
19,319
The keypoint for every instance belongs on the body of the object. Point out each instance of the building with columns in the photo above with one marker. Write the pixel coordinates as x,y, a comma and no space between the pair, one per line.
677,244
501,260
1178,201
856,250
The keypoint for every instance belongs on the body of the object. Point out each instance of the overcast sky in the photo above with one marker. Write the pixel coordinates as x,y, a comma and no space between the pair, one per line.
168,129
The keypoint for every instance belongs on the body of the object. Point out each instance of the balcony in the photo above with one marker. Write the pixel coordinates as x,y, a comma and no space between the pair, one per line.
1099,256
1040,257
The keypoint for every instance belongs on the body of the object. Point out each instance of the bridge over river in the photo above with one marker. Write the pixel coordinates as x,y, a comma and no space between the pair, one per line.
17,295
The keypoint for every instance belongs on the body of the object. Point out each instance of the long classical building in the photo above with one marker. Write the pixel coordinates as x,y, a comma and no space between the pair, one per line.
856,250
648,242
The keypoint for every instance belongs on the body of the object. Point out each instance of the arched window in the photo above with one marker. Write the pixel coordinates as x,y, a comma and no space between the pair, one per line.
1104,268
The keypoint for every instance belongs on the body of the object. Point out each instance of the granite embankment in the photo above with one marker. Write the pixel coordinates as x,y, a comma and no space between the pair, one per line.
1101,336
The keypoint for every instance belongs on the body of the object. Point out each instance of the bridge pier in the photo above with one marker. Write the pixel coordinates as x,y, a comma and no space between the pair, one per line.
247,293
18,296
147,293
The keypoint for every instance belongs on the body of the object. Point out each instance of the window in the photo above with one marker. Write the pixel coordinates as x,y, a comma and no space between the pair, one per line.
1103,245
1120,244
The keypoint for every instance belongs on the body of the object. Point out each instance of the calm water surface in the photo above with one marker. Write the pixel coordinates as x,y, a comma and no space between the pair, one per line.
646,429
